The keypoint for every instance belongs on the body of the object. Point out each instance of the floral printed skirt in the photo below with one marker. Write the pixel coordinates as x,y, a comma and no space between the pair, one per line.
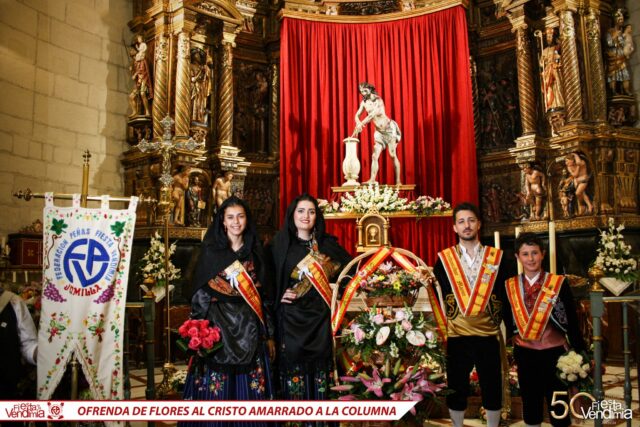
215,385
298,385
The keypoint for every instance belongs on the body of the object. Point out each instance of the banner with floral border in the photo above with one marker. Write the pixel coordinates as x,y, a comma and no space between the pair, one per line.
86,266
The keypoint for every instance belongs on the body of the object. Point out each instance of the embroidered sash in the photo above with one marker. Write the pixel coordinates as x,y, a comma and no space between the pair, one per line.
532,325
312,269
372,265
472,301
438,314
241,280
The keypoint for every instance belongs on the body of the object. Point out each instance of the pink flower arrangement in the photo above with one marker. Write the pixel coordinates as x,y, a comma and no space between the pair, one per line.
414,384
199,336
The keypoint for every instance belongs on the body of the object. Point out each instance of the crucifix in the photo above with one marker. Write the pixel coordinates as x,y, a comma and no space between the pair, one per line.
167,147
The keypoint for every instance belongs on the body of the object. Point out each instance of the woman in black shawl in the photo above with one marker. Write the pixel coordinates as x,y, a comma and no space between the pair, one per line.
240,369
300,299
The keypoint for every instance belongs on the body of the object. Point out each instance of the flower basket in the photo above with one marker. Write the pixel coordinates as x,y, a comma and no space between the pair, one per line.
387,351
392,300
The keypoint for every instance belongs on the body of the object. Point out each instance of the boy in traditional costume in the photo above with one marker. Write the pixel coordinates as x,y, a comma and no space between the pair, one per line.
541,315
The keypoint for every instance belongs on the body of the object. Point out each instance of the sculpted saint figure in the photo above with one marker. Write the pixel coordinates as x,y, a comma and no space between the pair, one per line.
200,85
619,48
577,167
180,185
387,133
534,190
194,198
567,191
551,62
142,90
222,188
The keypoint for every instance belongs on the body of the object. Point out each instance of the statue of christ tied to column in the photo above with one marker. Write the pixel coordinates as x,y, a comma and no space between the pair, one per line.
387,133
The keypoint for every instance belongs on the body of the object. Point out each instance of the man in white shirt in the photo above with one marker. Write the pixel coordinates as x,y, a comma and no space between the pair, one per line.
18,338
472,280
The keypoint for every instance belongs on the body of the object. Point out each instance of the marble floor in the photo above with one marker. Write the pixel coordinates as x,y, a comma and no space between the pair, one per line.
613,382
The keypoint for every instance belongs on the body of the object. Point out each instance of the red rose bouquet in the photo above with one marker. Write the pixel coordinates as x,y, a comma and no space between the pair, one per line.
198,336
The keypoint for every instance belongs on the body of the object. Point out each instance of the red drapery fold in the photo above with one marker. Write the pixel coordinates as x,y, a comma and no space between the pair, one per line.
420,68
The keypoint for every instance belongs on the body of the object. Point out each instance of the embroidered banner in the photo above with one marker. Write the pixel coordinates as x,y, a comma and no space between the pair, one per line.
85,272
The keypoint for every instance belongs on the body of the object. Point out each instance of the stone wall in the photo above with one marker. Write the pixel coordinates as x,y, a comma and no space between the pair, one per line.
64,81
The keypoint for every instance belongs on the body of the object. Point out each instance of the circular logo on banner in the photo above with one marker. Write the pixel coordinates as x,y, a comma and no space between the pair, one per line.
86,262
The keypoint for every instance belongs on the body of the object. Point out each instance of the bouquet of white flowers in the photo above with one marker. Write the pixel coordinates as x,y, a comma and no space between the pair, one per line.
574,370
178,379
614,255
367,198
152,269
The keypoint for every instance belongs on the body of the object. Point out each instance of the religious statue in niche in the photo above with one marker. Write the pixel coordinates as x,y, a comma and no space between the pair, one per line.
551,74
535,190
576,164
195,201
503,204
550,61
251,116
387,133
180,186
491,209
222,188
142,91
260,199
620,46
200,69
499,123
567,193
260,107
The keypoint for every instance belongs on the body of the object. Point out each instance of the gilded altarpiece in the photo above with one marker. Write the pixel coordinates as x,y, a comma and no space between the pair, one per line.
574,157
210,67
213,68
570,158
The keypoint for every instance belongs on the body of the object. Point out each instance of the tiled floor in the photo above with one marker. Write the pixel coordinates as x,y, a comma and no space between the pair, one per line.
613,382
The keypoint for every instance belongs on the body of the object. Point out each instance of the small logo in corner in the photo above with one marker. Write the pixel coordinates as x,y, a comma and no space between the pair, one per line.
55,411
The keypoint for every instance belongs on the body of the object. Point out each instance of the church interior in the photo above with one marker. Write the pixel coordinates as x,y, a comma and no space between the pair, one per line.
526,108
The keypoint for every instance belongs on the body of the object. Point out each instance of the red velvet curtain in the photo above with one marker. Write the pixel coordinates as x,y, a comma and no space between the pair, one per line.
420,68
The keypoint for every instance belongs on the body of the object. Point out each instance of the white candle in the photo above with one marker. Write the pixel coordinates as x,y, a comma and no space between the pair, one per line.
552,247
496,239
518,231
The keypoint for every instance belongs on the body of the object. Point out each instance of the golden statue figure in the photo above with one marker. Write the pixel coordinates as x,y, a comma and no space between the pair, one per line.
142,90
550,65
